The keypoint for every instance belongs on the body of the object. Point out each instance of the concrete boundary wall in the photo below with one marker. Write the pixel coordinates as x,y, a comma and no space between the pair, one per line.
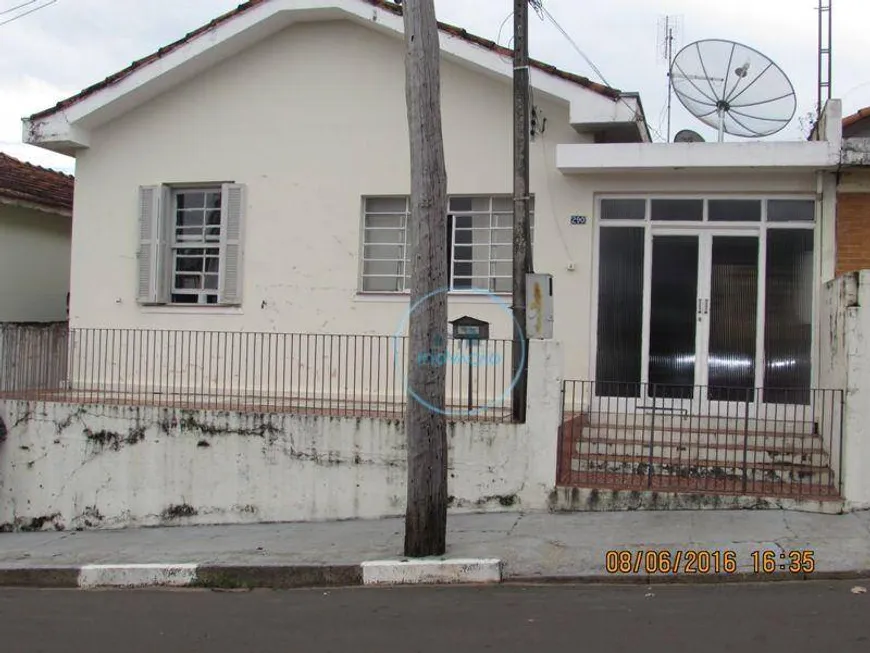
93,466
844,362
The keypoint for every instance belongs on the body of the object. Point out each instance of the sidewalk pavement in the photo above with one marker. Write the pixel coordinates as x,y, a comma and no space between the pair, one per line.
532,547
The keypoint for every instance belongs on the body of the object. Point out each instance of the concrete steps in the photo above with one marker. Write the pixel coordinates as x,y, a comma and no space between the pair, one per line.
702,447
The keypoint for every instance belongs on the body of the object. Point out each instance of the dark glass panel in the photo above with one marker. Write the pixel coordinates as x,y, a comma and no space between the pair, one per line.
673,316
733,318
620,311
788,312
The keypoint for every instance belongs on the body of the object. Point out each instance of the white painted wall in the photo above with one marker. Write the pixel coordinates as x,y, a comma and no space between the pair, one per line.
34,264
311,120
106,466
845,363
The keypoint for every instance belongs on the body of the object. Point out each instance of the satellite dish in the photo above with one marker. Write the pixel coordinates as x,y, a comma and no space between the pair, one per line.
733,88
688,136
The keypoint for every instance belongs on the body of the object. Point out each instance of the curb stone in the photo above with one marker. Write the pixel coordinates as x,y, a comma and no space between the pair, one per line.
477,572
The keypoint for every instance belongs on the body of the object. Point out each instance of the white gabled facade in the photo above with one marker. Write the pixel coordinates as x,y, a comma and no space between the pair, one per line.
300,105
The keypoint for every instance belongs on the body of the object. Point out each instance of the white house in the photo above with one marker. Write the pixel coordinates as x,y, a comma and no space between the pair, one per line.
258,168
252,179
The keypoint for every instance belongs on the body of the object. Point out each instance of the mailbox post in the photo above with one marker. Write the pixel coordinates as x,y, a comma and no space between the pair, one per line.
471,330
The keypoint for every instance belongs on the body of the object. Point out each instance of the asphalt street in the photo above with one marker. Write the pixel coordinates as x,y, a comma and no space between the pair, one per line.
804,616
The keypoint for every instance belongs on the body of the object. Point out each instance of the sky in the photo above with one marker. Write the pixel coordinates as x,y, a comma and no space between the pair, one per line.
56,51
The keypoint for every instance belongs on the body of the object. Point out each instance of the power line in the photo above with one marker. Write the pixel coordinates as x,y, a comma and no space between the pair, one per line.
552,19
9,11
26,13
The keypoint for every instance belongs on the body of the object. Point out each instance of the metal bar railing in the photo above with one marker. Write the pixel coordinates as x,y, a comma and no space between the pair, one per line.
757,441
340,374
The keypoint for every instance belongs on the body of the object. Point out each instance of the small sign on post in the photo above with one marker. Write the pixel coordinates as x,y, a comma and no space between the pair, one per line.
472,331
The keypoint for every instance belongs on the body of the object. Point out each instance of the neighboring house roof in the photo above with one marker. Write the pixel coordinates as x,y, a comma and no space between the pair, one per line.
855,118
381,4
26,183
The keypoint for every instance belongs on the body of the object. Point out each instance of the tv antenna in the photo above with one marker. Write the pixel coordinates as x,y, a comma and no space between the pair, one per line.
826,53
733,88
670,37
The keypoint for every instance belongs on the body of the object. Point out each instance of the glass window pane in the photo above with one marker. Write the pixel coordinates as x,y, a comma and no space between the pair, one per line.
505,221
192,251
673,314
463,253
386,205
677,210
214,217
184,298
502,252
469,204
185,264
503,204
212,264
188,218
734,210
501,269
503,236
620,311
384,252
380,221
387,236
628,209
190,200
188,281
213,200
788,313
396,268
791,211
211,282
733,318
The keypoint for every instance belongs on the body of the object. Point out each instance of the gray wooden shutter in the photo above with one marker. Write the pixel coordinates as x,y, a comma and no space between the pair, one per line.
232,217
147,261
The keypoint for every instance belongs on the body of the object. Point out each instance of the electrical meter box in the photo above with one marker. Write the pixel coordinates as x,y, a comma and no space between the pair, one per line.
539,311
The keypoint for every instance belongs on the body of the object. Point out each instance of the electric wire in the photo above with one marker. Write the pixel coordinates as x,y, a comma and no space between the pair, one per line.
26,13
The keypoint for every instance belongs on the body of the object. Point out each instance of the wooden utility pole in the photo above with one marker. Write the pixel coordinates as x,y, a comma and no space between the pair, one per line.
426,423
522,251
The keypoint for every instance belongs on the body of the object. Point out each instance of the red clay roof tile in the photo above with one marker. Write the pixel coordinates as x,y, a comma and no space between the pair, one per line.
848,121
26,182
382,4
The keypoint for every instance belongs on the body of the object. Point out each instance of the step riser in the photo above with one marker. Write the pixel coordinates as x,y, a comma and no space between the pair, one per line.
684,455
823,478
699,423
692,439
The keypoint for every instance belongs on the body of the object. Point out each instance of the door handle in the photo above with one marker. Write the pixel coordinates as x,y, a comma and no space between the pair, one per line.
706,307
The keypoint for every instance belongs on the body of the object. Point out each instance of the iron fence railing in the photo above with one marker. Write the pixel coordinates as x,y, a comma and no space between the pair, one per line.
780,442
362,375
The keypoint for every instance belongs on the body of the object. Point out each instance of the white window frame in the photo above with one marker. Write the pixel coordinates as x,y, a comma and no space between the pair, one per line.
490,262
156,258
175,245
761,227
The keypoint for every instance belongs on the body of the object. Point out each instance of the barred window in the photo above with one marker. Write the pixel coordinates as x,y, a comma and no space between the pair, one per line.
480,239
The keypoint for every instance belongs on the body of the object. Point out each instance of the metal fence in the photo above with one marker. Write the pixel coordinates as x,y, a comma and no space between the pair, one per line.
361,375
772,442
33,356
